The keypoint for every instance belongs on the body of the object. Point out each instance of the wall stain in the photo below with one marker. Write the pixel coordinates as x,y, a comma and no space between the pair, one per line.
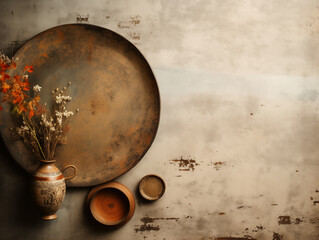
258,228
82,18
284,220
221,213
277,236
185,164
240,207
134,36
246,237
315,202
122,24
314,220
218,165
147,226
135,20
299,220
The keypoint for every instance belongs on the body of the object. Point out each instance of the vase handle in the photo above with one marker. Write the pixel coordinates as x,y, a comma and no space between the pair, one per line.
75,171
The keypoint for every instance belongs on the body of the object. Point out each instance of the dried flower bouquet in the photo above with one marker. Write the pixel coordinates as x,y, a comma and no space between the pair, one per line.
41,129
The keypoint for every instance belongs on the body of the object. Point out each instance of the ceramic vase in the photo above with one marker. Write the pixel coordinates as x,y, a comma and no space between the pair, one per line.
48,187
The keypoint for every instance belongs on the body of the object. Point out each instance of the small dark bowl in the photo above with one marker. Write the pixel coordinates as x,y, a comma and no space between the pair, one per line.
152,187
111,204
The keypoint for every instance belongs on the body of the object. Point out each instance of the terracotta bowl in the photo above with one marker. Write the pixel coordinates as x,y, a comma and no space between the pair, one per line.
111,204
152,187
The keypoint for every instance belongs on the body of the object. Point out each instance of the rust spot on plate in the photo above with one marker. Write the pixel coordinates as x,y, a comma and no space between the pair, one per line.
284,220
185,164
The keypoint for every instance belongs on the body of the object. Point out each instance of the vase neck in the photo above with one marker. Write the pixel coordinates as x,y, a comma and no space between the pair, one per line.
47,161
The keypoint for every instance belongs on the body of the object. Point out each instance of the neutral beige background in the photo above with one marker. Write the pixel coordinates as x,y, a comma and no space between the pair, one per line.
239,84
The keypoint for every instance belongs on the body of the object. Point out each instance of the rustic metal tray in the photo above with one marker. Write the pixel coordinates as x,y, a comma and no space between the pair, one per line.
112,85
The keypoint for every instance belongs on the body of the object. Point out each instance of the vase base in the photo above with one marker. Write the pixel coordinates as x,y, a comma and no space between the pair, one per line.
49,217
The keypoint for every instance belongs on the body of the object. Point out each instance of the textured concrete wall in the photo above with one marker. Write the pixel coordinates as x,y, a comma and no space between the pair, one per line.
238,138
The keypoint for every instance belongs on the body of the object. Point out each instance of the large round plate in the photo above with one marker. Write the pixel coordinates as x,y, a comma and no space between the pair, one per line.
112,85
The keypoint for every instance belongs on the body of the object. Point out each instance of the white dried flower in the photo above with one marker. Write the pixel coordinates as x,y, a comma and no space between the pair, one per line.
52,129
58,114
77,110
37,88
62,99
5,58
59,117
24,128
25,76
48,124
58,99
67,114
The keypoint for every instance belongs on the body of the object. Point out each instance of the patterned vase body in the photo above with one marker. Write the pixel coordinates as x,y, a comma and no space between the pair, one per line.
49,188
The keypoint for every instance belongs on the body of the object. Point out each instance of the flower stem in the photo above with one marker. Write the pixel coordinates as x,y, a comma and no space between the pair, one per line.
34,135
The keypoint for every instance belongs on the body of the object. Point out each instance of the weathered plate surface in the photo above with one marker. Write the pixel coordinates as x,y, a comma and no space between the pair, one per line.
112,85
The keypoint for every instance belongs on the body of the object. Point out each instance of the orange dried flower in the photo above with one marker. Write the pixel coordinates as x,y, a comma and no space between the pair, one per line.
28,69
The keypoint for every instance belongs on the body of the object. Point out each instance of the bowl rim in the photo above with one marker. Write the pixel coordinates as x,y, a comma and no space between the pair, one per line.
142,192
98,216
124,190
